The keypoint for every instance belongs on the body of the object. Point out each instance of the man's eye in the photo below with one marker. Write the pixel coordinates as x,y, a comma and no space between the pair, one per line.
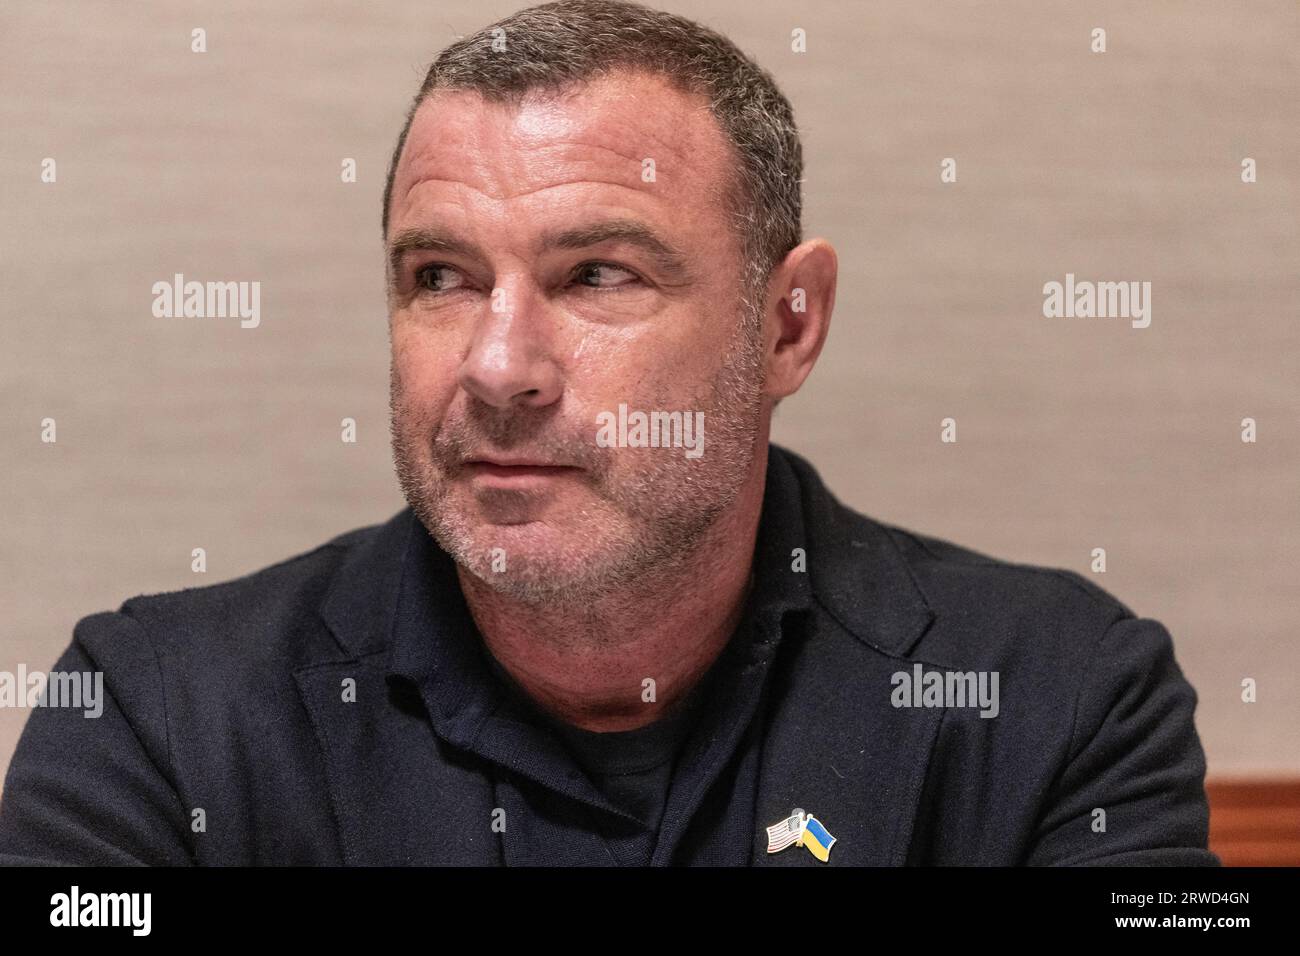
603,275
438,278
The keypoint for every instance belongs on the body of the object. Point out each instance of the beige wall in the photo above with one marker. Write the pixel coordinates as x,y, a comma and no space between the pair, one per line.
1073,434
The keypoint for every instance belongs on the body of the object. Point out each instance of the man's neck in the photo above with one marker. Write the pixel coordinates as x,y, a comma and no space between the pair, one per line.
589,665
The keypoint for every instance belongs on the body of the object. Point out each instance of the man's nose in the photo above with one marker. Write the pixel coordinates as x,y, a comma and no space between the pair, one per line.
511,361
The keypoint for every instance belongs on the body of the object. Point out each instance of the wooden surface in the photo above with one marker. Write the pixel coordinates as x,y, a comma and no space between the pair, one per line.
1255,822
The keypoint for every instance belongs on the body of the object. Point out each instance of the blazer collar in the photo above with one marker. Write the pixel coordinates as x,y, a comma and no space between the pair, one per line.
858,573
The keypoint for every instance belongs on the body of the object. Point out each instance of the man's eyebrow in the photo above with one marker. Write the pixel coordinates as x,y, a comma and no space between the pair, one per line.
427,239
629,231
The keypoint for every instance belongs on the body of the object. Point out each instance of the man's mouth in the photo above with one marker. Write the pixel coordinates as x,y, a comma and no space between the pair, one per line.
510,472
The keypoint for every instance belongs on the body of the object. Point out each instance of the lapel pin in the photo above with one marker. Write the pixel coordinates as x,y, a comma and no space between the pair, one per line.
802,828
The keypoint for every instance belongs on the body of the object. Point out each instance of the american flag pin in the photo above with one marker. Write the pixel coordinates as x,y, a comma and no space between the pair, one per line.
802,828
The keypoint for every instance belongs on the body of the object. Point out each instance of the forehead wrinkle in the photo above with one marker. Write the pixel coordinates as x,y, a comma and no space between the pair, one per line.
406,197
694,138
633,183
634,176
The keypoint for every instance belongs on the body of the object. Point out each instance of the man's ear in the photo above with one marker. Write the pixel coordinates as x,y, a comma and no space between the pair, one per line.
801,297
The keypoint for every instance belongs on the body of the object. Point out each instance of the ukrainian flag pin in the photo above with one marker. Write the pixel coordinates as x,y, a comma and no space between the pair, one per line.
817,839
802,828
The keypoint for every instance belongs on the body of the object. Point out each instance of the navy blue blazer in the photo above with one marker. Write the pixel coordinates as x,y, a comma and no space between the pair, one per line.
229,735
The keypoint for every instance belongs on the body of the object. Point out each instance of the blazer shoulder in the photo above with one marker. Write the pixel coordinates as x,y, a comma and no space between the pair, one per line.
997,611
874,572
945,563
265,614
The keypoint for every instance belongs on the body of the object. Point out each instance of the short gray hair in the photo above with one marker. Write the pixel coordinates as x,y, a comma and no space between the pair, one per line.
556,46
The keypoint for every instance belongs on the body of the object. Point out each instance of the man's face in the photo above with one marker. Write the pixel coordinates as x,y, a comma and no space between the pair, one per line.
553,262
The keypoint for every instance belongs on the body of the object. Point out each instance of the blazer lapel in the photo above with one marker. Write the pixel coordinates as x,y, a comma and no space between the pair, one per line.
399,793
396,800
836,746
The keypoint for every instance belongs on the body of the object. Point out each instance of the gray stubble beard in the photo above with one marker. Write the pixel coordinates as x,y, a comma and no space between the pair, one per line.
673,502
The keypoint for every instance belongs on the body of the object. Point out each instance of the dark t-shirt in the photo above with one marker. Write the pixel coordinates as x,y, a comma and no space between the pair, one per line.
632,768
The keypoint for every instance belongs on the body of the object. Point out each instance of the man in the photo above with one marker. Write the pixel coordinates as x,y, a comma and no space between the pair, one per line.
615,625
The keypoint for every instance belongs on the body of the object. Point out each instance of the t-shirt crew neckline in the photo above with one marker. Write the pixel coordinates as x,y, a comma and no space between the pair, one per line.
617,752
